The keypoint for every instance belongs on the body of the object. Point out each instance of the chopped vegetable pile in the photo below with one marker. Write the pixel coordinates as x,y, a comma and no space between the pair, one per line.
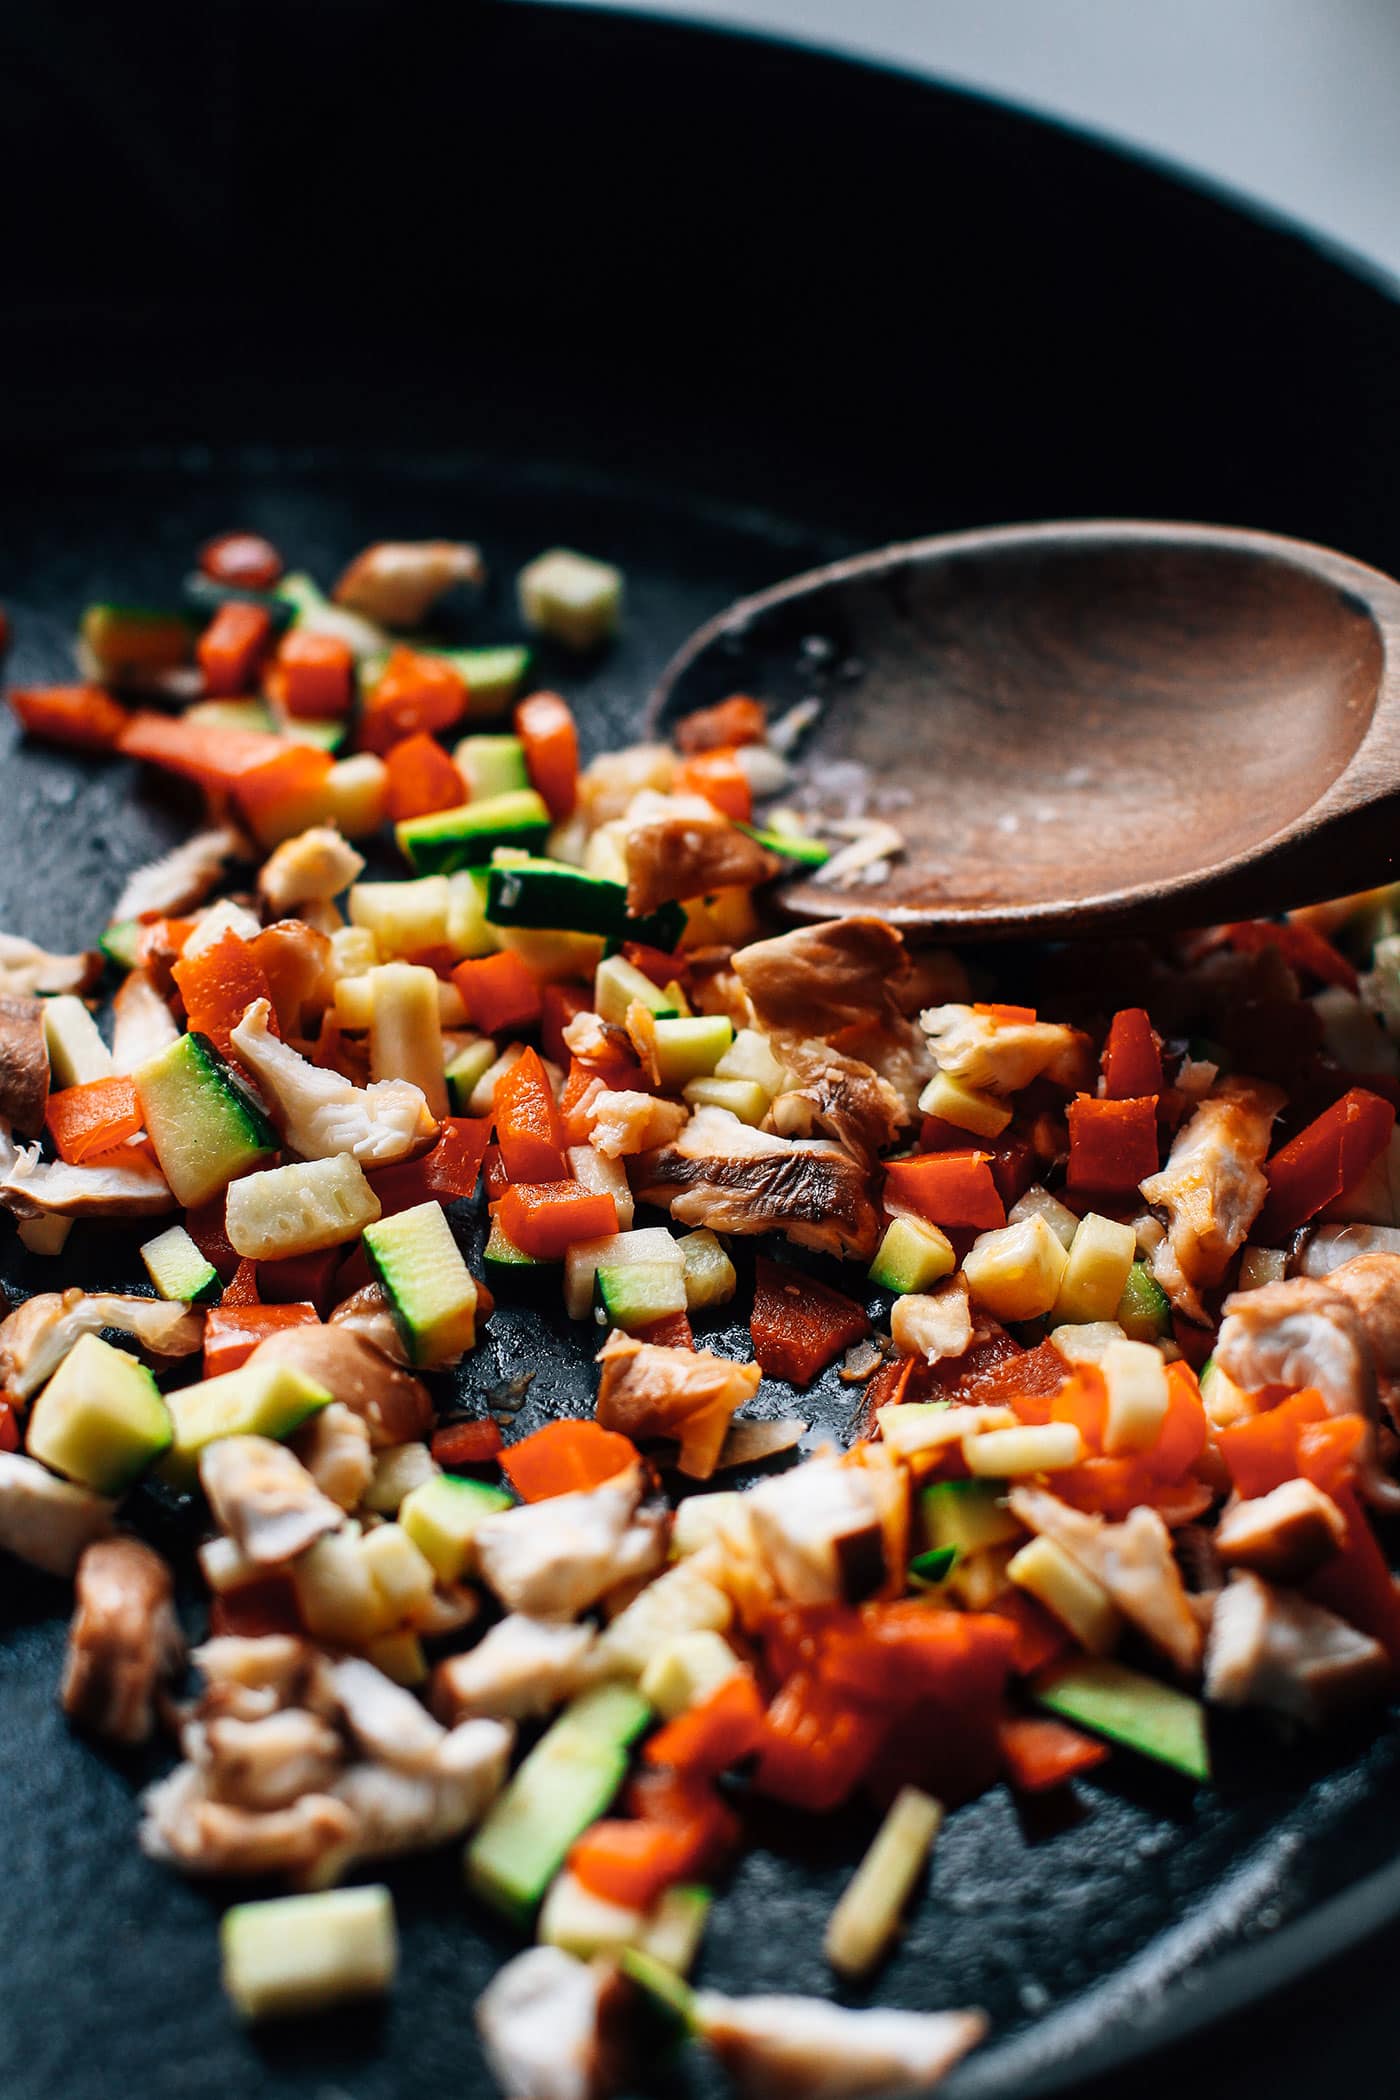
1111,1294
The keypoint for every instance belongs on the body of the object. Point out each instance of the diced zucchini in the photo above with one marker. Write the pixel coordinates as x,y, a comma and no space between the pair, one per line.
792,845
967,1515
178,1269
440,1517
571,597
603,1177
617,983
666,1994
299,1954
508,1269
406,918
583,1924
1096,1275
468,931
491,765
1015,1271
231,714
126,641
100,1420
553,955
1039,1203
638,1295
466,1070
405,1030
314,612
1031,1447
431,1291
299,1209
337,1595
676,1927
751,1056
204,596
928,1569
964,1106
357,794
913,1256
1046,1572
326,735
686,1669
400,1656
611,1251
1144,1311
688,1049
709,1273
468,836
259,1399
743,1098
77,1053
565,1784
205,1129
120,944
865,1921
525,890
1131,1709
401,1571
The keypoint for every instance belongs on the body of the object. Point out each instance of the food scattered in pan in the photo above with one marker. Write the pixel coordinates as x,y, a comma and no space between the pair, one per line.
1107,1280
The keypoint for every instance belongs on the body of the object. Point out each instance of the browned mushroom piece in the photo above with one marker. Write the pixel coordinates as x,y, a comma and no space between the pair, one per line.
648,1391
1285,1535
263,1496
688,855
394,1403
1212,1188
182,878
398,582
26,968
1372,1283
124,1185
837,1097
722,1174
37,1335
124,1642
24,1064
821,980
1132,1560
366,1313
1277,1649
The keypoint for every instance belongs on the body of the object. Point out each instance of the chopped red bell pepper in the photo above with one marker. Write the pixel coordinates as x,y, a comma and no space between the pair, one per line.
671,1331
233,1332
205,1226
232,646
1112,1144
500,992
9,1426
719,779
313,676
682,1829
1301,946
299,1279
545,1218
243,1290
545,726
565,1458
457,1446
91,1118
952,1189
1040,1753
81,715
1132,1056
707,1739
255,1609
218,986
1323,1162
422,778
528,1129
413,692
799,1326
560,1004
816,1746
243,560
446,1174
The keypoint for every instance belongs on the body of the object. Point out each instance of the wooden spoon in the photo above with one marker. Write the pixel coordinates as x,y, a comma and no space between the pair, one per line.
1078,727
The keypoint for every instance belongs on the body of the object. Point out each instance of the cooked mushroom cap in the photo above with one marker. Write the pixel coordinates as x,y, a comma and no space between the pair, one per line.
182,877
690,854
398,582
264,1498
1284,1536
142,1023
1275,1648
38,1335
124,1640
31,1187
777,2048
821,980
24,1064
1212,1188
392,1401
722,1174
26,968
836,1097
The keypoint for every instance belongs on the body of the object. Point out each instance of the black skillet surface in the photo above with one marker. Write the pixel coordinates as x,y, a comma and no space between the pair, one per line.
717,310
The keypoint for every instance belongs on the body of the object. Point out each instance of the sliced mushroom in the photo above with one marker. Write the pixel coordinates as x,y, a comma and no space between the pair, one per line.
366,1313
24,1064
722,1174
622,1124
38,1335
1372,1282
689,852
310,868
935,1324
269,1762
649,1391
1285,1536
26,968
552,1560
334,1446
990,1053
823,980
520,1670
184,1826
777,2048
1330,1247
1212,1189
47,1521
265,1499
539,2020
124,1642
837,1097
142,1023
387,1722
31,1187
396,1812
823,1529
1132,1560
1275,1648
749,1440
321,1114
182,878
251,1675
394,1403
398,582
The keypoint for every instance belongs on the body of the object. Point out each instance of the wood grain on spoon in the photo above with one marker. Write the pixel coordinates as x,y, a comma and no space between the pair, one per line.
1083,725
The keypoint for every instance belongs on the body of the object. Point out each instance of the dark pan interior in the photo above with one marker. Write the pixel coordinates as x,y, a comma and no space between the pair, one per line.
719,311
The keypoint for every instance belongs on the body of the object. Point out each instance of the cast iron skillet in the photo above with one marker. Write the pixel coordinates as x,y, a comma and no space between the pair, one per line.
721,310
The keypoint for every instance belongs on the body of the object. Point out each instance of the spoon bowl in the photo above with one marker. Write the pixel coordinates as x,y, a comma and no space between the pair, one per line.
1078,726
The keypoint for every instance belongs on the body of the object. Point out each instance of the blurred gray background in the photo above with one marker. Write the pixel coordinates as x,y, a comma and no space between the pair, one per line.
1294,102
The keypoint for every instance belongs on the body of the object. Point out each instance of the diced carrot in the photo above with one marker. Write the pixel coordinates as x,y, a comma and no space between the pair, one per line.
233,1332
1082,1399
1040,1753
952,1189
528,1129
545,726
564,1458
545,1218
1025,1014
232,646
718,776
1262,1451
81,715
287,793
1323,1161
707,1739
413,692
500,992
1039,1637
1302,947
214,758
444,1175
659,964
1112,1144
1132,1056
460,1445
799,1326
1182,1436
1356,1582
737,720
95,1117
422,778
559,1004
244,560
313,676
218,986
243,1290
630,1863
816,1746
